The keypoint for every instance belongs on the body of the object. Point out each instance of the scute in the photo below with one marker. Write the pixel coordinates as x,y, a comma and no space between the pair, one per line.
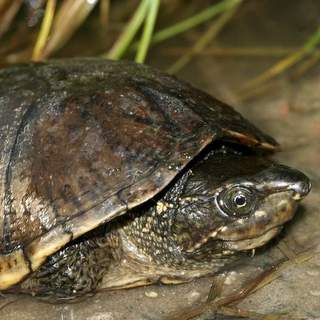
83,140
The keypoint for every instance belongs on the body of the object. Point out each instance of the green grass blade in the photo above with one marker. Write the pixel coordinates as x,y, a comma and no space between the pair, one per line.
121,45
216,26
283,64
194,21
148,30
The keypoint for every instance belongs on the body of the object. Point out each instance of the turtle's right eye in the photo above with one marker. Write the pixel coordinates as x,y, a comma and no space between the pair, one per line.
237,201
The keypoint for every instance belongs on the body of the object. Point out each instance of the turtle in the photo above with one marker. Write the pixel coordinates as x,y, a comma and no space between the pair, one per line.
114,174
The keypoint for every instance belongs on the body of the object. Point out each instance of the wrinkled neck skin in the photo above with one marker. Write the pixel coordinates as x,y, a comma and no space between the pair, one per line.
161,234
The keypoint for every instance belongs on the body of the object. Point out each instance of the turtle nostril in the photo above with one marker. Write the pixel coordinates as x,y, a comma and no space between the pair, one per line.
301,188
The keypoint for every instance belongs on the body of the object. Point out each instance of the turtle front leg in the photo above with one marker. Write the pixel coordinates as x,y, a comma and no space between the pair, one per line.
75,270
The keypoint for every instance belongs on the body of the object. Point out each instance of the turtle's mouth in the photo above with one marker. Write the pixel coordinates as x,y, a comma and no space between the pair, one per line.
252,243
227,246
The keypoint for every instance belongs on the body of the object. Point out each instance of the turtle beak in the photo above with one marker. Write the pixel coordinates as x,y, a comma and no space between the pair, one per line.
301,186
282,178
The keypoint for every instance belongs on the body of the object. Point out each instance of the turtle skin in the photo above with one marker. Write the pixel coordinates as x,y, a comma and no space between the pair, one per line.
85,140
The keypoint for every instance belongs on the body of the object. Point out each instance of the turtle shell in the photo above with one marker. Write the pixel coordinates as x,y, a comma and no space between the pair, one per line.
84,140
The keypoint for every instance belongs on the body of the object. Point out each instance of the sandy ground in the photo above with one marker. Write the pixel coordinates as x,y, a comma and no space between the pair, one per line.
291,113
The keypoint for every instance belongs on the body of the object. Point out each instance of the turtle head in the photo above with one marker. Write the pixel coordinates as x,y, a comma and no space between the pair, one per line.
236,203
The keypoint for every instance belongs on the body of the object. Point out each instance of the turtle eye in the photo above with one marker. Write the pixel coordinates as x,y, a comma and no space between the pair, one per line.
237,201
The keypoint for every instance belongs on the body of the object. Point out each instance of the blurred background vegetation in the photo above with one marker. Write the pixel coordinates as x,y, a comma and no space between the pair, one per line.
169,33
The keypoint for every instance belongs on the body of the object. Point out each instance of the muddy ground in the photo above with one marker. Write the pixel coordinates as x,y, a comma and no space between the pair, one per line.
289,111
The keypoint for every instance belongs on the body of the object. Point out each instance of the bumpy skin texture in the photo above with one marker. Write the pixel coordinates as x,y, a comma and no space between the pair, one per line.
82,141
75,270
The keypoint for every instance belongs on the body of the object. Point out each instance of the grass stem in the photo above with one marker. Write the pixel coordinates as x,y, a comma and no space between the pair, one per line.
44,30
193,21
121,45
148,30
283,64
207,37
